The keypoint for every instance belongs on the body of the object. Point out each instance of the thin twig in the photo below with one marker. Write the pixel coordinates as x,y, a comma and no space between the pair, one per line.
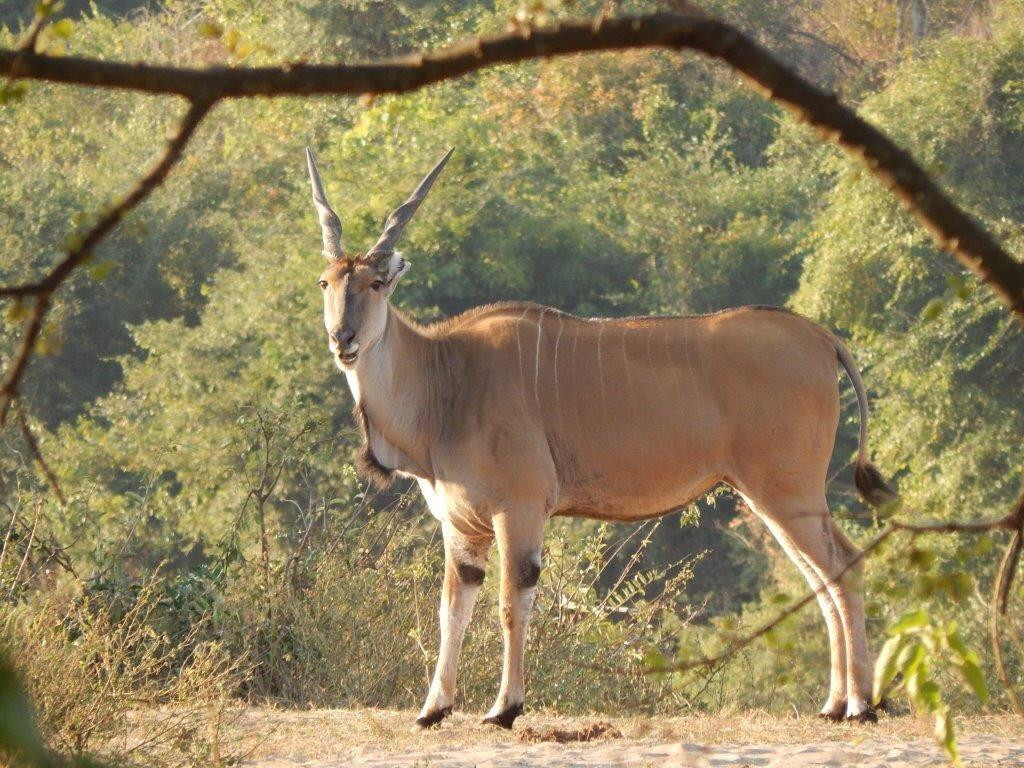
1012,521
28,552
951,228
44,289
739,644
1000,602
37,455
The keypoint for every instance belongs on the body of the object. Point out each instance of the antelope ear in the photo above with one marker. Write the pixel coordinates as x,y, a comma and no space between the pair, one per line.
391,266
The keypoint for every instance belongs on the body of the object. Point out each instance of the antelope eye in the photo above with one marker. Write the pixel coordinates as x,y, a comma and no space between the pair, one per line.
322,284
377,285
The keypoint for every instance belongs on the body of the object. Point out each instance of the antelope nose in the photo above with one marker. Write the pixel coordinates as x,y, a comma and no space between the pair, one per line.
344,337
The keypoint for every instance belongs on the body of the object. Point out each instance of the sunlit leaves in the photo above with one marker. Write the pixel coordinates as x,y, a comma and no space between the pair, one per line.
209,28
100,269
886,666
12,92
17,311
908,660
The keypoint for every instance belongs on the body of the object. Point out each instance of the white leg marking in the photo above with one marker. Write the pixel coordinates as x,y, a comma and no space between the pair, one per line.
457,601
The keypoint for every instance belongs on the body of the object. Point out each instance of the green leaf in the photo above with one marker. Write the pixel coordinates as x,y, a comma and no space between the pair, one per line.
924,586
62,28
944,734
11,92
654,659
910,658
932,310
101,269
975,679
910,621
956,642
922,559
16,312
211,29
885,666
928,695
959,585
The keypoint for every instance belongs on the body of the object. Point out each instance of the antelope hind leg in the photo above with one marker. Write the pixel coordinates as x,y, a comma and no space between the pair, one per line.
464,563
829,552
835,705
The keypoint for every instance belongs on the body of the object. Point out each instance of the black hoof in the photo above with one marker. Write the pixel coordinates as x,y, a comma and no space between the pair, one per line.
867,716
506,718
834,717
433,718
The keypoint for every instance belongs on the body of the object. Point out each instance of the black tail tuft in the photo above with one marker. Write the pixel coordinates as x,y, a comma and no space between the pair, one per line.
873,488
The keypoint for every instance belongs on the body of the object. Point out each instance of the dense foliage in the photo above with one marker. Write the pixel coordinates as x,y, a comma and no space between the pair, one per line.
195,421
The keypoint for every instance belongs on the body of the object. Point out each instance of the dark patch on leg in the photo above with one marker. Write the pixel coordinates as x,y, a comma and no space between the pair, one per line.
506,718
470,574
529,574
431,719
829,540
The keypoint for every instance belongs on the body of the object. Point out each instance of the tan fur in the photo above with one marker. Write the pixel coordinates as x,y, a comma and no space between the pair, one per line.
513,413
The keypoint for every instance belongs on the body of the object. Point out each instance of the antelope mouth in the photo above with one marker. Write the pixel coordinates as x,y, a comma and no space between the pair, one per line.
348,357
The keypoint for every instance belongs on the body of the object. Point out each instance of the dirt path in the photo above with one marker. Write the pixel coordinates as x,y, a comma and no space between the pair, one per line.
376,738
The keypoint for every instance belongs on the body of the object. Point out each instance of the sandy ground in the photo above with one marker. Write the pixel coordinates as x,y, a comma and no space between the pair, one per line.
378,738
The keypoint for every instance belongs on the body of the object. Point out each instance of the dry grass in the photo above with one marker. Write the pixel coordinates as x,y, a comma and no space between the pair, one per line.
337,735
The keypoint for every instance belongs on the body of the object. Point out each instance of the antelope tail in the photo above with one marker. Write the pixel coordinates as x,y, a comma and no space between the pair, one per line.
871,485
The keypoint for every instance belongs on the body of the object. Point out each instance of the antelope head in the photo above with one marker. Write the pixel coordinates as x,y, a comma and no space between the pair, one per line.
356,288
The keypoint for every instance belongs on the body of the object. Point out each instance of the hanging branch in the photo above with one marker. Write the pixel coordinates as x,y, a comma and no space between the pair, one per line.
42,291
951,227
1014,522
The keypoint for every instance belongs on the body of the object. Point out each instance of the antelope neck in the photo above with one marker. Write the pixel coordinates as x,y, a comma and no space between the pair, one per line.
389,388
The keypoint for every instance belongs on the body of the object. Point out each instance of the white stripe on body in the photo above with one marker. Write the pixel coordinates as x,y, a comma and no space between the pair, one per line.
536,362
575,382
558,399
600,372
519,356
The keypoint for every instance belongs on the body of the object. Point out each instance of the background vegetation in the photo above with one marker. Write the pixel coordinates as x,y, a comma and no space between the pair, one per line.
201,433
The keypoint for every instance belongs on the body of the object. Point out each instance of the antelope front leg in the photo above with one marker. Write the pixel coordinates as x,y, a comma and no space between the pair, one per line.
464,563
519,539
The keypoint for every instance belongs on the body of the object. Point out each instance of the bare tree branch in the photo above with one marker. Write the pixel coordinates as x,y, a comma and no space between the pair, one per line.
1014,521
37,455
951,227
742,642
44,289
1000,602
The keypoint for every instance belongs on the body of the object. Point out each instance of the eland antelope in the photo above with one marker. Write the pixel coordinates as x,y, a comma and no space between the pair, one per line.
512,413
